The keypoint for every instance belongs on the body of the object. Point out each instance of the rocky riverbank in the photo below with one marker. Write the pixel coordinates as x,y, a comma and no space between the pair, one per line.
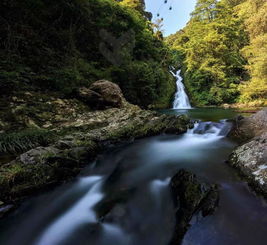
250,158
79,137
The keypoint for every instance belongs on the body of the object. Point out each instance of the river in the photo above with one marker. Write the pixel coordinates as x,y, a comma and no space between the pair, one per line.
132,181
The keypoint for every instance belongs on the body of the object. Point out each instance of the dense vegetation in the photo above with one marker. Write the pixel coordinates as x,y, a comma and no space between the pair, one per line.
59,45
254,13
222,51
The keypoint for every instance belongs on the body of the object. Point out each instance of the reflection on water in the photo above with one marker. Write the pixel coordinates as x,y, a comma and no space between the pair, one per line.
130,186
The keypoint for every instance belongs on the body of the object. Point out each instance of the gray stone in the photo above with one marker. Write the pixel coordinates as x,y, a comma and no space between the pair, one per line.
38,155
248,127
101,95
251,159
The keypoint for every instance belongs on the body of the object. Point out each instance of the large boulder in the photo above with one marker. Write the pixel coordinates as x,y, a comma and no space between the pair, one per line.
246,128
251,160
102,95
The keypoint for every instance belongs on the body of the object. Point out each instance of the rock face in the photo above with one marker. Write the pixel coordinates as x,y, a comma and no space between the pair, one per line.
190,196
101,95
250,158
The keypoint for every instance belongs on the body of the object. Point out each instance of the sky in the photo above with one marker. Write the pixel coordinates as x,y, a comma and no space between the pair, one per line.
175,19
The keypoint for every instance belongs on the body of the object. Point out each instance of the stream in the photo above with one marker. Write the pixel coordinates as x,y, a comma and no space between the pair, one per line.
137,175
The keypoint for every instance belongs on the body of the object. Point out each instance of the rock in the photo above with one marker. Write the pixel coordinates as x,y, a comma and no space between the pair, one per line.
47,125
101,95
190,196
30,123
88,135
65,144
37,155
88,96
82,153
251,160
246,128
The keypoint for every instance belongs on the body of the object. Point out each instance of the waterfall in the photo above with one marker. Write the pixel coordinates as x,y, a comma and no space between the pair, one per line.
181,100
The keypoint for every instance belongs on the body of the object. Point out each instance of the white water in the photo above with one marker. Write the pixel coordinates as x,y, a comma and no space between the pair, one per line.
181,100
81,213
147,215
157,185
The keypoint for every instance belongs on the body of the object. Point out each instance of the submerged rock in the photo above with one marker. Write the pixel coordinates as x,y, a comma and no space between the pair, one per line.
191,196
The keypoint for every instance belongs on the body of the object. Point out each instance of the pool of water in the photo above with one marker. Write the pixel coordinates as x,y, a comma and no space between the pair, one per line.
132,183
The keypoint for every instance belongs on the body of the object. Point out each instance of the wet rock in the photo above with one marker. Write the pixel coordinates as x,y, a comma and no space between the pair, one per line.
190,196
251,160
101,95
108,208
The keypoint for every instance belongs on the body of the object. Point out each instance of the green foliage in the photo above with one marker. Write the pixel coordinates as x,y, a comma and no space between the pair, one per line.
58,41
223,51
254,14
138,5
209,47
24,140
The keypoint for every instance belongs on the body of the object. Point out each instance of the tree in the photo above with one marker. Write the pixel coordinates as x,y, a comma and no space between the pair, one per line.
210,47
254,13
138,5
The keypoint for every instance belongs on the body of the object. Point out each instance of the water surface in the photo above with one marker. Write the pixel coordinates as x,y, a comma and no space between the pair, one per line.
137,176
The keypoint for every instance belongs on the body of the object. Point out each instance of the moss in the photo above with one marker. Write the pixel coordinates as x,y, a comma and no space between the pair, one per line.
17,180
150,126
25,140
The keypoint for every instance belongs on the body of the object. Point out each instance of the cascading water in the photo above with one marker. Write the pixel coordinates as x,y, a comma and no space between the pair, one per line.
181,100
125,198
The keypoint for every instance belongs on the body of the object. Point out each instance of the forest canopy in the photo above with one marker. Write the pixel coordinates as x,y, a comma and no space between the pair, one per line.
64,44
222,52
